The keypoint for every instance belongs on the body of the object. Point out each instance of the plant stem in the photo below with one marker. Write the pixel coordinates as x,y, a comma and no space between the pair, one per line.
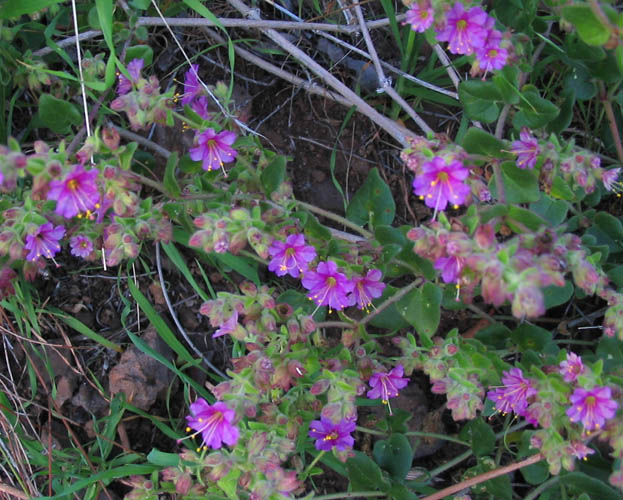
394,298
536,492
354,494
437,436
337,218
312,464
614,130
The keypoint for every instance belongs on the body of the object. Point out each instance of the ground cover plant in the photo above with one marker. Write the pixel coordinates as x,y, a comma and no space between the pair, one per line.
311,249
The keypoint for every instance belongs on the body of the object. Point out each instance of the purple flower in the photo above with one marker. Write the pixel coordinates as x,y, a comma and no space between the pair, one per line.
465,31
420,16
527,149
579,450
214,149
329,435
134,69
328,287
192,87
77,194
492,55
228,326
514,394
450,268
200,106
571,367
367,287
592,408
440,183
291,257
609,177
44,241
81,246
214,423
386,385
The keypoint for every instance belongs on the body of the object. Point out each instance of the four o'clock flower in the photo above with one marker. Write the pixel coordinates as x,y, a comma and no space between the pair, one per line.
44,241
592,407
330,435
386,385
228,326
492,55
527,149
420,16
81,246
367,287
328,287
214,422
192,87
514,394
76,194
571,367
134,69
465,31
290,257
609,177
440,183
450,268
214,149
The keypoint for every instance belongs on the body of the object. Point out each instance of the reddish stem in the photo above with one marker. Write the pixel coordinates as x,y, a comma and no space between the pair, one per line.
614,130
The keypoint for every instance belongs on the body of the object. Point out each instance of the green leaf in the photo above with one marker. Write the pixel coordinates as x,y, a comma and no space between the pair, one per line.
144,52
531,337
242,265
477,141
58,115
229,483
163,459
557,295
553,211
83,329
562,121
607,230
480,435
389,318
583,483
579,81
394,455
421,307
373,203
170,179
401,492
535,473
589,27
534,111
273,175
480,99
499,487
16,8
507,81
364,474
521,220
520,186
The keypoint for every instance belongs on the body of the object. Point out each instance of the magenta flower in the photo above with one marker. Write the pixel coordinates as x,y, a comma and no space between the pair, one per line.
228,326
465,31
514,394
440,183
81,246
134,69
291,257
44,241
609,177
214,149
200,106
329,435
527,149
214,423
386,385
450,268
420,16
367,287
492,55
77,194
571,367
579,450
328,287
192,87
592,408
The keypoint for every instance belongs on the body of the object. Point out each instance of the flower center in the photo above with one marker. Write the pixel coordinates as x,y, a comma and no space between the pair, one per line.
72,184
331,282
331,437
493,53
424,14
442,177
462,24
590,401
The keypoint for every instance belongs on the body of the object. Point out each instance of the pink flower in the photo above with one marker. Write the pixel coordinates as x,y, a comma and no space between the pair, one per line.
440,183
579,450
200,106
44,241
291,257
492,55
527,149
514,394
192,87
571,367
329,435
465,31
214,423
450,268
367,287
386,385
328,287
228,326
214,149
77,194
420,16
592,408
609,177
81,246
134,69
